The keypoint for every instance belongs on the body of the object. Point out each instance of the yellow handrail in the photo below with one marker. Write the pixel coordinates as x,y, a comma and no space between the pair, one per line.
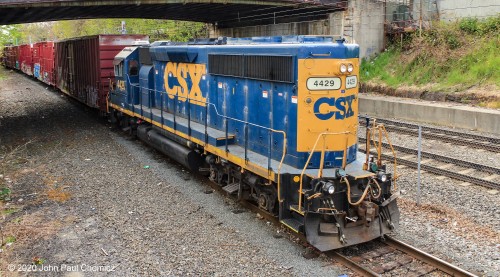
371,138
320,170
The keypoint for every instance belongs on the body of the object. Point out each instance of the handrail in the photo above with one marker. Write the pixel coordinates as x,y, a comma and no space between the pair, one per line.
209,104
371,138
313,150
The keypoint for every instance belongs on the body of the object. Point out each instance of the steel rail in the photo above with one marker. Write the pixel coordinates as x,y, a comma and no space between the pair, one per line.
440,158
356,267
435,129
427,258
444,172
460,138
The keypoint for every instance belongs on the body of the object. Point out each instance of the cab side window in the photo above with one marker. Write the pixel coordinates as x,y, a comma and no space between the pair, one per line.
133,68
119,70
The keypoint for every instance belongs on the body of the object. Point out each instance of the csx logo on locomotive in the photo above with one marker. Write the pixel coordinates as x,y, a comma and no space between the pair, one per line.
183,80
342,104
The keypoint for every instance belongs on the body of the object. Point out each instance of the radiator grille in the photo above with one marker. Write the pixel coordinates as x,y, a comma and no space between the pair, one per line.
271,68
229,65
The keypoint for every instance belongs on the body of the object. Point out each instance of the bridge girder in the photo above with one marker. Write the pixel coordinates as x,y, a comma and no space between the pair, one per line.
224,13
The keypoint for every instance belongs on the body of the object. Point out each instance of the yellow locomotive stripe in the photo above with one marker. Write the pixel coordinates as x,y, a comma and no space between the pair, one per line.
293,229
247,165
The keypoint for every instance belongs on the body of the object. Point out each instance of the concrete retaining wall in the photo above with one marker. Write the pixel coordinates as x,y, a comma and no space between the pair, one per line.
446,114
451,10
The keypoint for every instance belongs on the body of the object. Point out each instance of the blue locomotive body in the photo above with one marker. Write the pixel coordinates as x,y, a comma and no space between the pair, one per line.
272,119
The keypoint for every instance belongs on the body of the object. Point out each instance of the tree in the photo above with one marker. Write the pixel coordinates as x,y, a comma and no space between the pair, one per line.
9,34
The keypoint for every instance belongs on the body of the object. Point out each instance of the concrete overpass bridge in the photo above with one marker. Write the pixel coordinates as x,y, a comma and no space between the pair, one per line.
222,13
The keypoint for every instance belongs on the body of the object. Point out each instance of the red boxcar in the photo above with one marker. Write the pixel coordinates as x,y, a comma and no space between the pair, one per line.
26,58
11,56
84,66
43,62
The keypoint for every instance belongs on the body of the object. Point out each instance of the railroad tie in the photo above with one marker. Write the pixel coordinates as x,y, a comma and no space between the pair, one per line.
491,177
467,171
446,166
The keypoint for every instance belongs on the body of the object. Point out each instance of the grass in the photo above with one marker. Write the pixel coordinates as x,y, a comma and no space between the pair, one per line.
2,72
450,57
4,194
9,211
10,239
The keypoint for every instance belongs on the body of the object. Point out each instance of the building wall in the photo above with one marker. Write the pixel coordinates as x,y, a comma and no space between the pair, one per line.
367,20
450,10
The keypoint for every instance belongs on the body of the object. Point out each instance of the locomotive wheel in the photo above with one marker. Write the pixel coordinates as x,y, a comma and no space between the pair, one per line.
263,200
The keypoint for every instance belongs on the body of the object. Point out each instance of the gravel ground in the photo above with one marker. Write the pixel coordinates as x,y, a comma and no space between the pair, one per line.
84,195
456,221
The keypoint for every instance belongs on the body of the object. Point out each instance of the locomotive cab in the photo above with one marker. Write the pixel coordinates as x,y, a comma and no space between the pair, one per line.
125,88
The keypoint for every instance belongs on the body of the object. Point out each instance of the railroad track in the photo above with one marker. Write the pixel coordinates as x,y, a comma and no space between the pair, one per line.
417,260
394,257
450,167
459,138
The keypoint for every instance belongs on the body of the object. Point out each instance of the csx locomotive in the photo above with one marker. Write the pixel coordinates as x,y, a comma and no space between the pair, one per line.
271,119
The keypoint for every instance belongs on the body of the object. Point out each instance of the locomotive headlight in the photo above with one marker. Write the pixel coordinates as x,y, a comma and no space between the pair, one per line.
329,187
382,177
343,68
350,68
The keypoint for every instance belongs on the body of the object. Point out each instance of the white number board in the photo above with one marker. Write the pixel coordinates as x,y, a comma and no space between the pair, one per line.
323,83
351,82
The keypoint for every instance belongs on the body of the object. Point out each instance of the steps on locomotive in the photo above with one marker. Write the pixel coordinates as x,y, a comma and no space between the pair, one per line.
295,208
293,224
232,188
215,137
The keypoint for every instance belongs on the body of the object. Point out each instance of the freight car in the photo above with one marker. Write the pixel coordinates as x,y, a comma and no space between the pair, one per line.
84,66
43,62
11,56
271,119
26,59
80,67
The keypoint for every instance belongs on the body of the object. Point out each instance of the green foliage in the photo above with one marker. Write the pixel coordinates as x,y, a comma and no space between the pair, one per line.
452,40
9,34
155,28
10,239
469,25
376,69
473,26
9,211
5,194
451,56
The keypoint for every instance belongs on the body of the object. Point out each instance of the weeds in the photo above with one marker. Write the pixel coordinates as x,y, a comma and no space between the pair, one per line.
10,239
450,56
9,211
5,194
9,162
